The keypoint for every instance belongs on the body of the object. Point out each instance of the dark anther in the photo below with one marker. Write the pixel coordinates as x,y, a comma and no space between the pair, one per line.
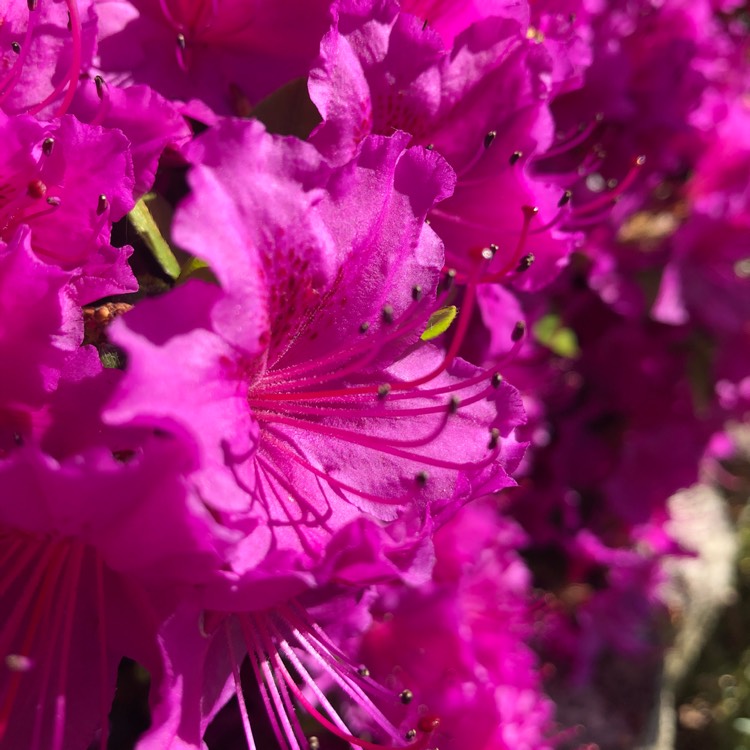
421,478
363,671
411,734
102,205
53,200
424,25
526,262
47,145
453,404
32,4
494,438
383,390
514,157
530,212
496,379
364,328
416,292
36,189
489,138
518,331
99,83
313,743
494,248
16,47
181,43
388,314
17,439
566,196
450,278
430,146
406,697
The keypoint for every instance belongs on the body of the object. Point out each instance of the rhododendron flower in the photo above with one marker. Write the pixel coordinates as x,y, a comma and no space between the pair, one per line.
68,182
300,376
460,638
79,595
479,104
227,54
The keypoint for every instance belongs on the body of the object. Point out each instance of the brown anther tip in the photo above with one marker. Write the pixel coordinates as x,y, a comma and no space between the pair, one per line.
364,328
387,314
406,697
99,83
494,248
640,161
453,404
102,204
430,146
526,262
518,331
411,734
450,278
515,157
494,438
53,200
363,671
416,292
36,189
32,4
489,138
313,743
496,379
421,479
16,47
181,42
566,196
47,145
383,390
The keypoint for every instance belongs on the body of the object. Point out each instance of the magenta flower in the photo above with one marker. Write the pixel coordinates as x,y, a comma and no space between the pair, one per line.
68,182
79,594
303,382
45,46
227,55
480,104
460,640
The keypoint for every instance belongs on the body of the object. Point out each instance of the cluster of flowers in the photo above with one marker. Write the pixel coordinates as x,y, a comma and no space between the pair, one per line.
432,306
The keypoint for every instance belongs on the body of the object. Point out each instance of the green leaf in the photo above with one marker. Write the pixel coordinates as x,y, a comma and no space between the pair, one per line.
562,341
190,267
439,322
140,217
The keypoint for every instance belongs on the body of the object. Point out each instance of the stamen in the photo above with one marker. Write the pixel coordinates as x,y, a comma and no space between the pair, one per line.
48,145
16,47
518,331
610,197
489,138
74,70
515,157
525,263
102,204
